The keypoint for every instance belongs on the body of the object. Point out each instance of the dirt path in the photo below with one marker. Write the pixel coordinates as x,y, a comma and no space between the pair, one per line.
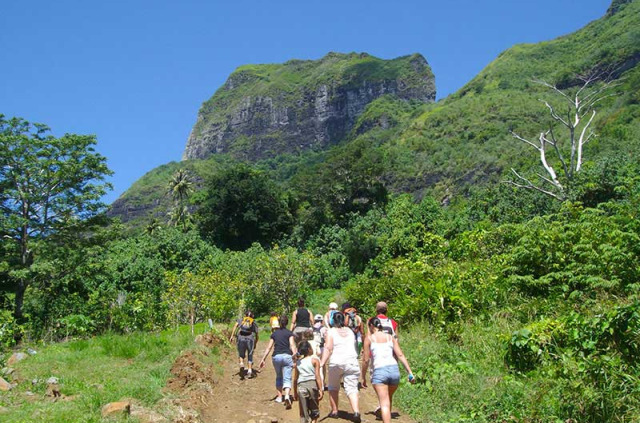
240,400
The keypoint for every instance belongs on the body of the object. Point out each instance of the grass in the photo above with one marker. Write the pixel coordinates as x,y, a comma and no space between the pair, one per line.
460,372
93,372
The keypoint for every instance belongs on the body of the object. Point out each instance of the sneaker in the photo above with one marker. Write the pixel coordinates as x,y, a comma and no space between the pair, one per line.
249,373
378,413
278,400
287,402
356,418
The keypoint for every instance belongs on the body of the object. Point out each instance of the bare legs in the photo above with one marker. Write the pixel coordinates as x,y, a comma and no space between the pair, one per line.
385,397
333,401
353,401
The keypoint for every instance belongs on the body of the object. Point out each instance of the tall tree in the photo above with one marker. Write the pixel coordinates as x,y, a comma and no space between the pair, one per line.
241,206
47,184
180,187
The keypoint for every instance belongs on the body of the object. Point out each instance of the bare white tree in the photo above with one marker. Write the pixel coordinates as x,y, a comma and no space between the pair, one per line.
580,104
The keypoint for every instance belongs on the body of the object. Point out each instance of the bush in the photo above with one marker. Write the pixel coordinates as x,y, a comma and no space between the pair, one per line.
10,330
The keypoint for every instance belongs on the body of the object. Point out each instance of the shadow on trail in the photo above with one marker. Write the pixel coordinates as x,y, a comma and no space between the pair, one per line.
243,374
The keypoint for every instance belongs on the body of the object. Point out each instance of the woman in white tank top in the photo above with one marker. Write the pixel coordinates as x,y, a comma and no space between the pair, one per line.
382,349
340,352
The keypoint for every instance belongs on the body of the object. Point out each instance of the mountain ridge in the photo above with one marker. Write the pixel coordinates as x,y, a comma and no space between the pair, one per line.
265,110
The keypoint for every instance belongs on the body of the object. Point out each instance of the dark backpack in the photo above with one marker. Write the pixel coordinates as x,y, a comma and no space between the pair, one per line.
351,319
246,326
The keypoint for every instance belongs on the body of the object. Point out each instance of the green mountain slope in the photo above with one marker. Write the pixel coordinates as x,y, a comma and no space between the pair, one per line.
465,139
462,141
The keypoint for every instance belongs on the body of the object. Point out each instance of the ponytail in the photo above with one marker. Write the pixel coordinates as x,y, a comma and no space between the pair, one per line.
376,323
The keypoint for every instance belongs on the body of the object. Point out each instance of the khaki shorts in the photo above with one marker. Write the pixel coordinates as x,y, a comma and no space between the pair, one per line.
350,375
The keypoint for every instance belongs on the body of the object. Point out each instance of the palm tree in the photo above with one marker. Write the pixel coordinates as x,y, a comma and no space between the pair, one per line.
180,185
153,226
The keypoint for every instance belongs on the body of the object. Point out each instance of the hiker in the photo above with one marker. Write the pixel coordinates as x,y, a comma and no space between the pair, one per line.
319,336
307,383
274,321
301,322
353,322
328,316
247,340
283,345
389,325
340,352
382,349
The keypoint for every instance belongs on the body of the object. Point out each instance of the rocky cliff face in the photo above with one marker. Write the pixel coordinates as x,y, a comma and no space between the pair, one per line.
265,110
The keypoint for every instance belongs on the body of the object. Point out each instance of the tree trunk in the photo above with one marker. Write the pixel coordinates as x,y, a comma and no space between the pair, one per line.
19,301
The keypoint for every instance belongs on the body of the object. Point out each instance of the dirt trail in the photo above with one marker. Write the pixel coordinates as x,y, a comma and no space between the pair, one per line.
233,399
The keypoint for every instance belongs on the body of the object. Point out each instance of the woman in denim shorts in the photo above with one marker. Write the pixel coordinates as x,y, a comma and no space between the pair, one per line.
382,349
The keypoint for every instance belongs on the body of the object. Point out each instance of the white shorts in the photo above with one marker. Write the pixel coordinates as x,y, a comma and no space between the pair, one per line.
350,374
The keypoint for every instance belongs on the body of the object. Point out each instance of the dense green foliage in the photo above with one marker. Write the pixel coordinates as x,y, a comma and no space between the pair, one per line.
513,306
48,186
240,207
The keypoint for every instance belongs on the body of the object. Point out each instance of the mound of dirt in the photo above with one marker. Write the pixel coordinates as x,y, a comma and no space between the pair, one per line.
211,339
189,372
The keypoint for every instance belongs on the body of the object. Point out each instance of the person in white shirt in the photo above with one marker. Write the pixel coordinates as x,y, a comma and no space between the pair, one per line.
340,352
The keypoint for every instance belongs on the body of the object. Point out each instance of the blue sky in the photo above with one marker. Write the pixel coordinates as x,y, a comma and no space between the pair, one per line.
136,72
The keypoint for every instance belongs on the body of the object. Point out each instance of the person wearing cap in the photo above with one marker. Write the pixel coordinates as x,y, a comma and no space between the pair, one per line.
389,325
319,332
333,308
319,337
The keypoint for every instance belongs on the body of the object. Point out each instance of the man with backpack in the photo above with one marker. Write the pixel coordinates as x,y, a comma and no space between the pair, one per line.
247,339
353,322
389,325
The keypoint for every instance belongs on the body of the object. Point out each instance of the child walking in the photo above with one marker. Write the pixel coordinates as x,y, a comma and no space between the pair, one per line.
307,383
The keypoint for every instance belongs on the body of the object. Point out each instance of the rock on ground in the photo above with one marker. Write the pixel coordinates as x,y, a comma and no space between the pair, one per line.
120,407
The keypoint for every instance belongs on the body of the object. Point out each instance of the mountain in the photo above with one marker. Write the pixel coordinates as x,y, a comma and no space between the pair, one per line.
465,140
382,112
266,110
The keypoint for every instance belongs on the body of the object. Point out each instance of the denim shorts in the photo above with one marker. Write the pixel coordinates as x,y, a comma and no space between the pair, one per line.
387,375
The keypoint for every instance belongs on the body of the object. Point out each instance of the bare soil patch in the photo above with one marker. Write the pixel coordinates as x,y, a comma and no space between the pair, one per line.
211,394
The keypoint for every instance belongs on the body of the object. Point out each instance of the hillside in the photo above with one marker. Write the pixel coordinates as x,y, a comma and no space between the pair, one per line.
443,148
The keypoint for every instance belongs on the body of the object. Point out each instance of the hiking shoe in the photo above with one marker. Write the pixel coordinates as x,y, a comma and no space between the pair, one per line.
356,418
278,400
287,402
378,413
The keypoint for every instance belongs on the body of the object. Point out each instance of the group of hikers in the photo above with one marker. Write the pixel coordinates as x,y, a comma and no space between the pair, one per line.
322,352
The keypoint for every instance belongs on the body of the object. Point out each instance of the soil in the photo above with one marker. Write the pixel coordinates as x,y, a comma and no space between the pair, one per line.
214,395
